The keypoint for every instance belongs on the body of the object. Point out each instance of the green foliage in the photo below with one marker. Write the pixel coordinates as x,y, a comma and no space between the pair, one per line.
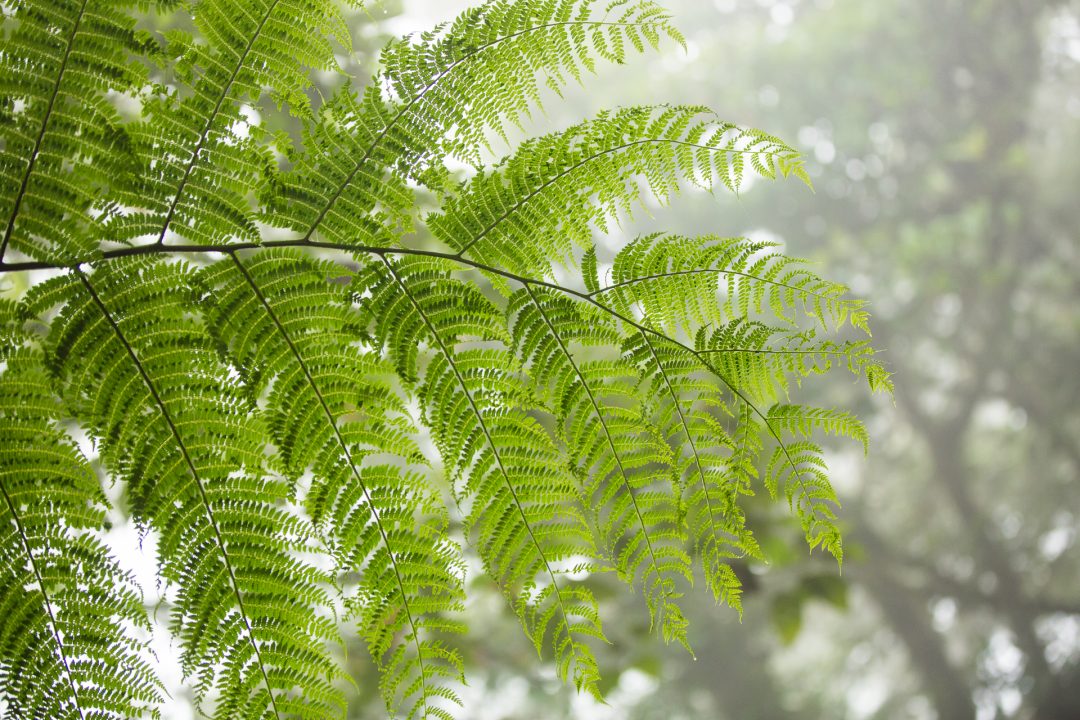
63,598
518,497
250,333
623,463
197,156
62,138
333,410
173,425
547,199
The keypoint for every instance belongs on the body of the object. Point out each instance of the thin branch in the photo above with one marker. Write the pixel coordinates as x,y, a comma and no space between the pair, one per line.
773,351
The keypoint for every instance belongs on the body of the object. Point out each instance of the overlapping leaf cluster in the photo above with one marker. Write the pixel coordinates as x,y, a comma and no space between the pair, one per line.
244,330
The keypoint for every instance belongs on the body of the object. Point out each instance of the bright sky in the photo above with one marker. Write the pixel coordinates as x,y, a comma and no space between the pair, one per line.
420,15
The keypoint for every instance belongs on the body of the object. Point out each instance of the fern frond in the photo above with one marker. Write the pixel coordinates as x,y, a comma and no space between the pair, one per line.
509,51
445,91
66,609
518,496
61,139
800,469
765,359
674,279
753,356
546,199
624,462
257,405
344,187
144,376
807,487
200,157
332,409
803,421
796,466
690,410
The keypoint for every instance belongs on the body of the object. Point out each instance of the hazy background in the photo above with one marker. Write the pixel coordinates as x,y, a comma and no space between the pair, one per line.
944,141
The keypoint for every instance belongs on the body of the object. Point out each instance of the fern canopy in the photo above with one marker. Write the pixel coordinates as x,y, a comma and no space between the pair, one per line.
254,334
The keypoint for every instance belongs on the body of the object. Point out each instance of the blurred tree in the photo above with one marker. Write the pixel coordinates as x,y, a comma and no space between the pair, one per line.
956,159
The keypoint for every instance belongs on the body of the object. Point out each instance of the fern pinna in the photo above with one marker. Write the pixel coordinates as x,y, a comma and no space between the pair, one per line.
250,329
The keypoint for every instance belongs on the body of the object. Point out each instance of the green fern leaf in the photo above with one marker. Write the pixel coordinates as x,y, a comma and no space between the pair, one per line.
544,201
256,405
624,462
169,422
445,92
66,608
519,502
510,49
201,157
800,469
751,278
290,327
766,359
802,420
691,411
61,140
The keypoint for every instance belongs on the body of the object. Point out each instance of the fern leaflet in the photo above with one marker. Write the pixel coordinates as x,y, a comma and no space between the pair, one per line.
64,599
624,463
289,328
527,529
170,423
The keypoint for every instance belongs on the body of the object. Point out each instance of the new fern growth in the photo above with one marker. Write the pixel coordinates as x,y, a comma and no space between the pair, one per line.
250,333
